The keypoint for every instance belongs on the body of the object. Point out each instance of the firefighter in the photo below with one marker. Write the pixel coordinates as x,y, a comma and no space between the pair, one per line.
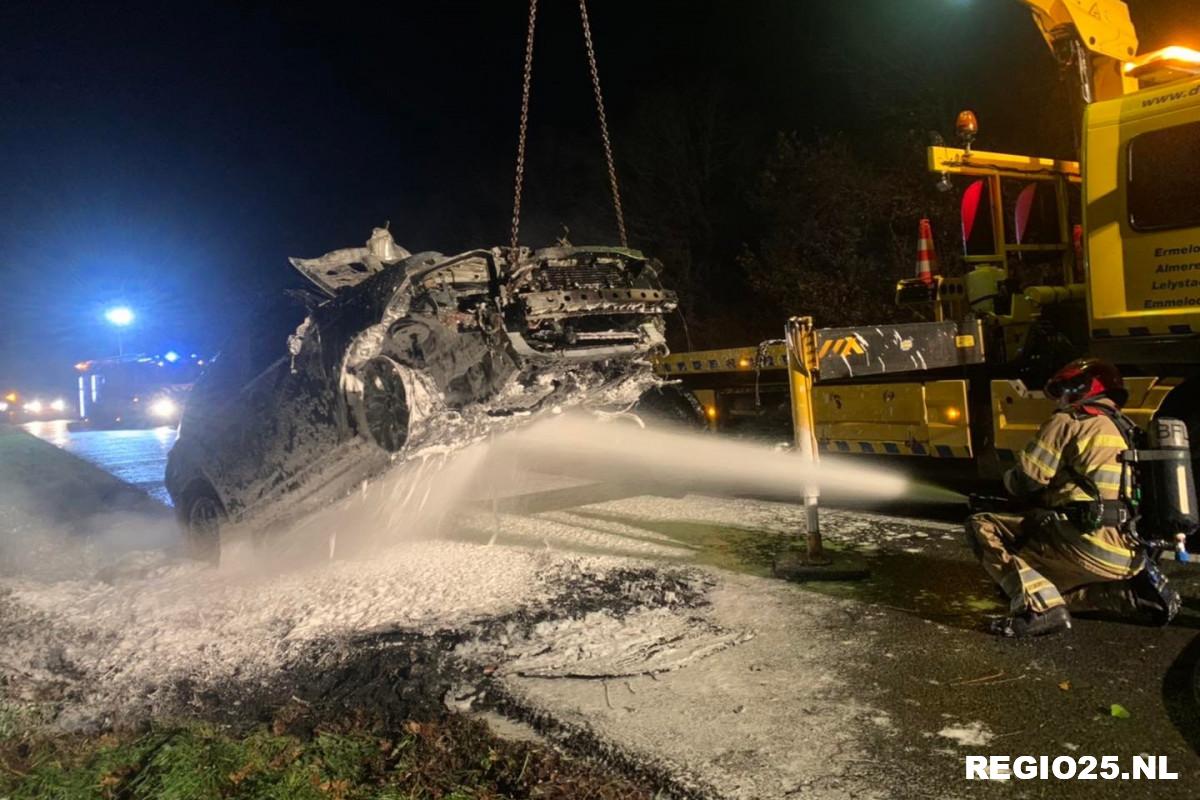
1072,549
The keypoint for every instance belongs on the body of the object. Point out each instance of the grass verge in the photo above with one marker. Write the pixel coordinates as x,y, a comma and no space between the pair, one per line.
452,759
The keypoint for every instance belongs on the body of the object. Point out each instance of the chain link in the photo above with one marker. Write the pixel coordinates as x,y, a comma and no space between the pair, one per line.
524,127
520,179
608,155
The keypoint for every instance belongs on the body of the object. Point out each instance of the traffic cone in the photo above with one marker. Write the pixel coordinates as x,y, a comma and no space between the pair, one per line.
925,254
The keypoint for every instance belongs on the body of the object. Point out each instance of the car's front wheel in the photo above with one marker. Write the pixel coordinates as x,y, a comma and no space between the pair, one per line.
670,406
202,516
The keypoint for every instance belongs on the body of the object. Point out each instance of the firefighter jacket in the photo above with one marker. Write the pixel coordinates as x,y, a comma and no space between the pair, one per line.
1074,446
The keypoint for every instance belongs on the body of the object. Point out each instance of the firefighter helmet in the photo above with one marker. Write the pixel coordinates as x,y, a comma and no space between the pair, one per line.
1087,379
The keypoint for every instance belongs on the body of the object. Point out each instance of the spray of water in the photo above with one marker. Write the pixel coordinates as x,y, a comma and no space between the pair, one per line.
687,462
583,456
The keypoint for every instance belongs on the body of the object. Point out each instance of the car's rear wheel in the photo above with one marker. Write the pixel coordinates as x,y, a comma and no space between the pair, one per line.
385,408
202,518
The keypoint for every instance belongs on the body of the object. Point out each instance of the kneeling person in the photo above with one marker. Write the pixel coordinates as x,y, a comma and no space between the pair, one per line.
1071,549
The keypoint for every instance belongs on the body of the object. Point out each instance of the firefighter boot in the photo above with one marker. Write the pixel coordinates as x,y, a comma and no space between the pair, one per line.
1031,623
1153,596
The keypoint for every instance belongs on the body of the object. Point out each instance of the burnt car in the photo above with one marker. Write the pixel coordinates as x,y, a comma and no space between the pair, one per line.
395,353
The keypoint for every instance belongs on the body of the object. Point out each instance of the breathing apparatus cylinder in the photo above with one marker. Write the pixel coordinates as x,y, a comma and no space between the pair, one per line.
1168,502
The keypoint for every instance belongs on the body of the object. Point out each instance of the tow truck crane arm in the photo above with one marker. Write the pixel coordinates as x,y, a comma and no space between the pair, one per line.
1095,37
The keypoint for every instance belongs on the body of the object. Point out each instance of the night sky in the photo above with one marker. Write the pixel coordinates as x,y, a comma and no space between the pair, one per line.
172,155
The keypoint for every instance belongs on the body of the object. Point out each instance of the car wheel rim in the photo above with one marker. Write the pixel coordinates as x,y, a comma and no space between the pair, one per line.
385,405
204,519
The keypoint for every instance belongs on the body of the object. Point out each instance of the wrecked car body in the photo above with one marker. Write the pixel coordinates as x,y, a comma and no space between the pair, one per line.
402,352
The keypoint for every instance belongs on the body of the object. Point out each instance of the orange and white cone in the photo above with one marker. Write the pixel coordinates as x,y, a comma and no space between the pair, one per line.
925,254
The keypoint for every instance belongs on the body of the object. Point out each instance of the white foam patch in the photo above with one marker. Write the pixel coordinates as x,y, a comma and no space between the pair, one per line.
973,734
162,620
601,645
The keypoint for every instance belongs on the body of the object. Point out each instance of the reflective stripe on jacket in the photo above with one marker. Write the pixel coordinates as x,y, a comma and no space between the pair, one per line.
1072,443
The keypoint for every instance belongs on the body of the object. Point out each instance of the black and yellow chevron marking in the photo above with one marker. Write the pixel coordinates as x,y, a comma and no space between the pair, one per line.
846,346
835,446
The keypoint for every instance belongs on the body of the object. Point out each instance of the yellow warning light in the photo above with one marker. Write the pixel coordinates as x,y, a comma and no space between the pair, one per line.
1174,57
967,125
11,397
743,363
953,414
710,412
82,366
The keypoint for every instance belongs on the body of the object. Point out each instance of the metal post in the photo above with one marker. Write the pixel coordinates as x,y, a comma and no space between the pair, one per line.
813,563
802,357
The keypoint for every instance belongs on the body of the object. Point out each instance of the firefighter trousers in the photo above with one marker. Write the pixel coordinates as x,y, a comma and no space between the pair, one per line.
1042,562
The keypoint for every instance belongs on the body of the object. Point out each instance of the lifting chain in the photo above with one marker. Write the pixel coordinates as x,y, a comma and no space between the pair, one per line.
524,127
608,156
516,217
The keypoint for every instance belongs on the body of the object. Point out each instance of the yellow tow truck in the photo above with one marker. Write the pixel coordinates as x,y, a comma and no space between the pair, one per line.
1123,283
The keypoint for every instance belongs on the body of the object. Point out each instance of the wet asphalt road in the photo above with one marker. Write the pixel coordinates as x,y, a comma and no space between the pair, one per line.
138,457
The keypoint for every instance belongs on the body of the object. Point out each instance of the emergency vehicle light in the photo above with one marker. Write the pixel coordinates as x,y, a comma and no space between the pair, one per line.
1173,58
966,124
967,127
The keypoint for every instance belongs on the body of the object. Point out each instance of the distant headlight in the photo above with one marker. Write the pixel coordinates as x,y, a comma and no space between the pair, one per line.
3,406
164,408
34,406
59,405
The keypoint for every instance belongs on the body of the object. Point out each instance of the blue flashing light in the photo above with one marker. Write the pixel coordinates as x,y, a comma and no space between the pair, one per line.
171,356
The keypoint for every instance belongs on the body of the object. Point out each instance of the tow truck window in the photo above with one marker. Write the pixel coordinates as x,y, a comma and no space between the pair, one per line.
1164,178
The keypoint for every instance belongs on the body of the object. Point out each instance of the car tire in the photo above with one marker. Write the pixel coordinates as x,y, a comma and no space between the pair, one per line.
672,407
383,408
202,517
